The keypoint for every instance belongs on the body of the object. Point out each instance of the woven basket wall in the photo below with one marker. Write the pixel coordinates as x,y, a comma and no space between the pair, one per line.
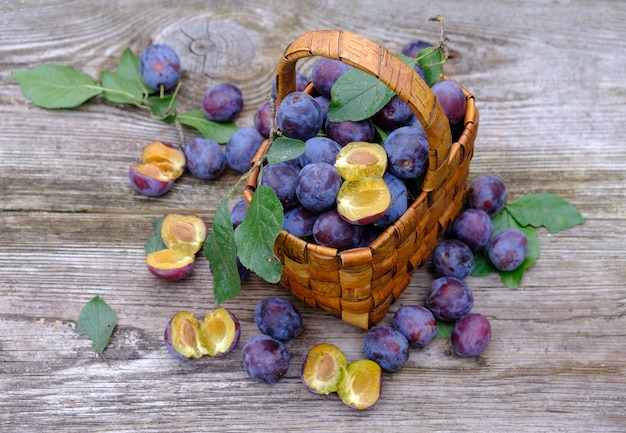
359,285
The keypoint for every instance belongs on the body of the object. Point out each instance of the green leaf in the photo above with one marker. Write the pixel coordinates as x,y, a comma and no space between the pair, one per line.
444,329
97,321
284,149
128,68
120,90
357,95
482,265
431,61
504,220
163,107
221,252
126,86
155,242
545,209
256,235
218,131
53,86
381,135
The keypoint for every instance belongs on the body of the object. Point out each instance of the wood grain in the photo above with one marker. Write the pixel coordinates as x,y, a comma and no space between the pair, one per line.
548,81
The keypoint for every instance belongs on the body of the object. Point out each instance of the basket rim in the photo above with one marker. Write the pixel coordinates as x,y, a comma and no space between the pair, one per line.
378,61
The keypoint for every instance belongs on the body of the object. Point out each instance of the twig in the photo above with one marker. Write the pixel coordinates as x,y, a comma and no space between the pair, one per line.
181,133
443,37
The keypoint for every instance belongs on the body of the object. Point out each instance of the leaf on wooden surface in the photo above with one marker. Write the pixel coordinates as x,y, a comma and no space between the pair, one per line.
482,265
284,149
163,107
444,329
120,90
126,85
218,131
256,235
128,68
155,242
221,252
54,86
97,321
547,210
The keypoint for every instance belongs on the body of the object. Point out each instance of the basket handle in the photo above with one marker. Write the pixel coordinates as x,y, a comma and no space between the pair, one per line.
376,60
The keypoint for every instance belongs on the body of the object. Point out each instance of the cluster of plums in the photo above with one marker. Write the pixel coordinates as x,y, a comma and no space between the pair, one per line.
354,178
472,232
351,182
320,203
266,358
160,69
448,298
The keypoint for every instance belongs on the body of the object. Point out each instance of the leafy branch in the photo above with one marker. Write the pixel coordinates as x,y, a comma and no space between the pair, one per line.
251,242
60,87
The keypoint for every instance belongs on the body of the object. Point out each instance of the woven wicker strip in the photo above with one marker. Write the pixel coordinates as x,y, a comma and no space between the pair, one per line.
359,285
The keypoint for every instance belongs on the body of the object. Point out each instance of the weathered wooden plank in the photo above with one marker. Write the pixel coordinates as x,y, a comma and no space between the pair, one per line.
548,80
537,316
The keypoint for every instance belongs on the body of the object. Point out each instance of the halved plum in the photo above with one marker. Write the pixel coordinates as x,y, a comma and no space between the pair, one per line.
323,369
170,264
360,159
219,332
182,336
363,201
169,158
149,180
184,233
161,164
362,384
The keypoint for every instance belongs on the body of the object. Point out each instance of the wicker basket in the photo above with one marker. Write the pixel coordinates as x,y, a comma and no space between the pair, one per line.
360,284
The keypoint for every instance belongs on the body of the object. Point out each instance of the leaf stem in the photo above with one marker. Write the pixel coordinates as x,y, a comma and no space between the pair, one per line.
136,102
174,95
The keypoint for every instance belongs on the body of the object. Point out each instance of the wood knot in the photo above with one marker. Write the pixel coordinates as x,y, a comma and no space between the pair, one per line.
214,48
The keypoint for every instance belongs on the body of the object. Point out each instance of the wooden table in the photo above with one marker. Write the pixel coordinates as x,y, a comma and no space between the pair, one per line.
550,87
